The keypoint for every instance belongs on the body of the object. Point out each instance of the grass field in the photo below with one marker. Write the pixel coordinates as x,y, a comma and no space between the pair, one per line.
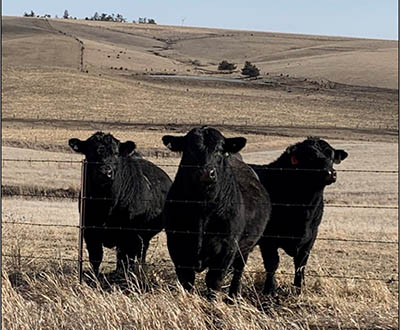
64,79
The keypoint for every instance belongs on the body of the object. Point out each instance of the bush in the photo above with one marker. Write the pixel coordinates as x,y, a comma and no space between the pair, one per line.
225,65
250,70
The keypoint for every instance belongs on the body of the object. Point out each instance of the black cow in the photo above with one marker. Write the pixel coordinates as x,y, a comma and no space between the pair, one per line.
216,209
123,190
296,182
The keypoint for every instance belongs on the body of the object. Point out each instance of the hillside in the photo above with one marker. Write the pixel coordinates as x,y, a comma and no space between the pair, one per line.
101,75
164,48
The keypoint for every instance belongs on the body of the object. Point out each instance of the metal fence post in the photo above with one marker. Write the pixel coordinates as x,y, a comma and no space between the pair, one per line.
82,218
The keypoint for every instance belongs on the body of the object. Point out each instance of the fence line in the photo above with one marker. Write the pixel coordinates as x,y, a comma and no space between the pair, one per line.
49,161
82,227
244,123
169,264
355,206
194,233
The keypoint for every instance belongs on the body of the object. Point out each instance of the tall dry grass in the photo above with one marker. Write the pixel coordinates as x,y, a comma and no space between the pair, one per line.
41,290
53,299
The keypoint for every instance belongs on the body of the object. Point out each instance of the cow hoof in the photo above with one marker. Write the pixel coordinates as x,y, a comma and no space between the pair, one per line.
296,291
272,293
211,295
269,304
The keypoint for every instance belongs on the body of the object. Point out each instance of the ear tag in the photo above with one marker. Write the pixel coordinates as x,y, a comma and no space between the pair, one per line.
294,160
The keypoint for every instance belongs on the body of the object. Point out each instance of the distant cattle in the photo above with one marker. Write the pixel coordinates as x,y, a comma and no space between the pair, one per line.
125,196
296,182
216,209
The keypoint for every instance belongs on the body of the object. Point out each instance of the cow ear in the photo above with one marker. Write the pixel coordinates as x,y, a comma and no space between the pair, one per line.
234,145
127,148
293,159
290,151
77,145
339,156
174,143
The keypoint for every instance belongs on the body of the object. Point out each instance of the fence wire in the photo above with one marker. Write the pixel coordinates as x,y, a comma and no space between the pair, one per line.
45,194
187,232
165,264
52,161
71,162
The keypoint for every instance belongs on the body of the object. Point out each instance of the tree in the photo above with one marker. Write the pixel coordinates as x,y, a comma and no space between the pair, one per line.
120,18
31,14
95,16
250,70
66,14
225,65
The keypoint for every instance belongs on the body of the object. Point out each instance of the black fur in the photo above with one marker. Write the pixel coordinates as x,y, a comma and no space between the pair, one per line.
297,177
216,209
124,191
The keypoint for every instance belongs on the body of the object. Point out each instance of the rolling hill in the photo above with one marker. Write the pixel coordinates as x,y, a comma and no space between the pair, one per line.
62,74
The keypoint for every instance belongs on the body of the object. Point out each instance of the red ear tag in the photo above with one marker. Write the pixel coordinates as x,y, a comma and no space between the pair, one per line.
294,160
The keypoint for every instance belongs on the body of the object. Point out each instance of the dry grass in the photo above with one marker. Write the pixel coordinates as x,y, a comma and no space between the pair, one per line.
48,98
44,293
63,304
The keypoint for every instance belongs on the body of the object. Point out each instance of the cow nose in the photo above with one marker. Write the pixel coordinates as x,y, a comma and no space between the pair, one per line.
213,174
107,171
332,175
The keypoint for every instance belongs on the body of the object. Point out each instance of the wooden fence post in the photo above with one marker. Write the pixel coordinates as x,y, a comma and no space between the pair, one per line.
82,218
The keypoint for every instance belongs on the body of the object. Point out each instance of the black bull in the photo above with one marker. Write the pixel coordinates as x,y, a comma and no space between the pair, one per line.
124,192
216,209
295,183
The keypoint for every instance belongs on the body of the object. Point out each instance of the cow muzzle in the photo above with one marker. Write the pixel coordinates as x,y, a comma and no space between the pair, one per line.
107,171
331,176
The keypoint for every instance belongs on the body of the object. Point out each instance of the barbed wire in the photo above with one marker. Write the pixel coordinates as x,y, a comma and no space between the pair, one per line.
45,194
194,232
50,161
258,272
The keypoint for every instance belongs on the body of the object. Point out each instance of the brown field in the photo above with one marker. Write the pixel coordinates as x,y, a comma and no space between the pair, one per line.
64,79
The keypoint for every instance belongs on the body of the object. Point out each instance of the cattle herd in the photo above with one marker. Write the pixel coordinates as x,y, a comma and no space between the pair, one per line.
215,211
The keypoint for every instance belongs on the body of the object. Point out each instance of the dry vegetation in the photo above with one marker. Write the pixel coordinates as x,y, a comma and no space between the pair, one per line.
48,97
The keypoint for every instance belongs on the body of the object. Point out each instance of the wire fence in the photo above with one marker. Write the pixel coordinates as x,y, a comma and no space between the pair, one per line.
165,264
188,232
53,161
82,227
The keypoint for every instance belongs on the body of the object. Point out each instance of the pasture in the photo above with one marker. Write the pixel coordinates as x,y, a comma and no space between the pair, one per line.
352,102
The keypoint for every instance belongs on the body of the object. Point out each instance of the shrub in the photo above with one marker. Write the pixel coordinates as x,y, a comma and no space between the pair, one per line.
250,70
225,65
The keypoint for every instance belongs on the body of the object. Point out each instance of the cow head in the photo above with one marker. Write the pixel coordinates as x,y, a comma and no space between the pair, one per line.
102,152
318,156
204,151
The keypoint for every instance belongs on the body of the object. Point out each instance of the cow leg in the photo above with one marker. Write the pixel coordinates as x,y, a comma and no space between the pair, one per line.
214,279
122,259
95,251
270,257
218,269
300,261
238,267
186,277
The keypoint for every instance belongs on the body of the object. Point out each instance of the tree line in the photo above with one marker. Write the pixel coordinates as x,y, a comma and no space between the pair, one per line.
97,17
248,69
